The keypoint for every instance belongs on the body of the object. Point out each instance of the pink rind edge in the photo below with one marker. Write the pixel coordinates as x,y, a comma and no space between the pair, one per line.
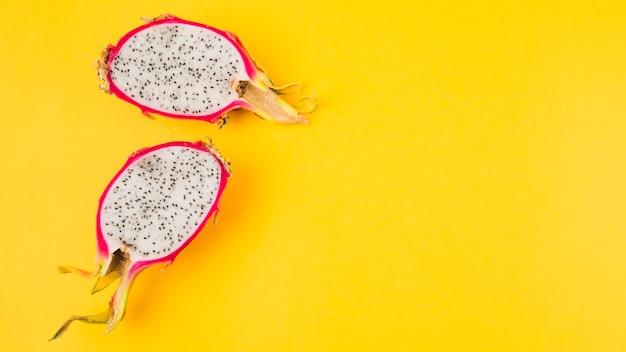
213,117
102,247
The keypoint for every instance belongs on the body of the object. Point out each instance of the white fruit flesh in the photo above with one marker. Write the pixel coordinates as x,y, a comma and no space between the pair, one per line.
158,202
178,69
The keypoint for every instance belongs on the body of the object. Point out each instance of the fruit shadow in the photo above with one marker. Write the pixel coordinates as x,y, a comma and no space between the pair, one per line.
214,256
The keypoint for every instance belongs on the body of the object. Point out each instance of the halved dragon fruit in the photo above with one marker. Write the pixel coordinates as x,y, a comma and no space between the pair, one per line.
154,207
183,69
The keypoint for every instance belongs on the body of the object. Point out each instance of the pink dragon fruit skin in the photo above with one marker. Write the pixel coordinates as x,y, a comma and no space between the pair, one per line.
178,185
183,69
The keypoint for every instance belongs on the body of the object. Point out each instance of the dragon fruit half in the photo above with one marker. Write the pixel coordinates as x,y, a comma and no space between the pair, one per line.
183,69
154,207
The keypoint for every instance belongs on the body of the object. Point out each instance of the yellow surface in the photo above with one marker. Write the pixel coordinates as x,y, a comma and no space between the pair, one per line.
462,186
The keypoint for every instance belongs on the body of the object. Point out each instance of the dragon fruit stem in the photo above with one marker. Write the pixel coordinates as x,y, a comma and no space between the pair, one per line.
66,269
117,267
100,318
264,102
120,298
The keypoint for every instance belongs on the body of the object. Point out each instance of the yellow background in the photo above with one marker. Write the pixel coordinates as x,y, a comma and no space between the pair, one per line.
462,186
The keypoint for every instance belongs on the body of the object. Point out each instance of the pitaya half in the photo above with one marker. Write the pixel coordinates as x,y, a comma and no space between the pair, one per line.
154,207
184,69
